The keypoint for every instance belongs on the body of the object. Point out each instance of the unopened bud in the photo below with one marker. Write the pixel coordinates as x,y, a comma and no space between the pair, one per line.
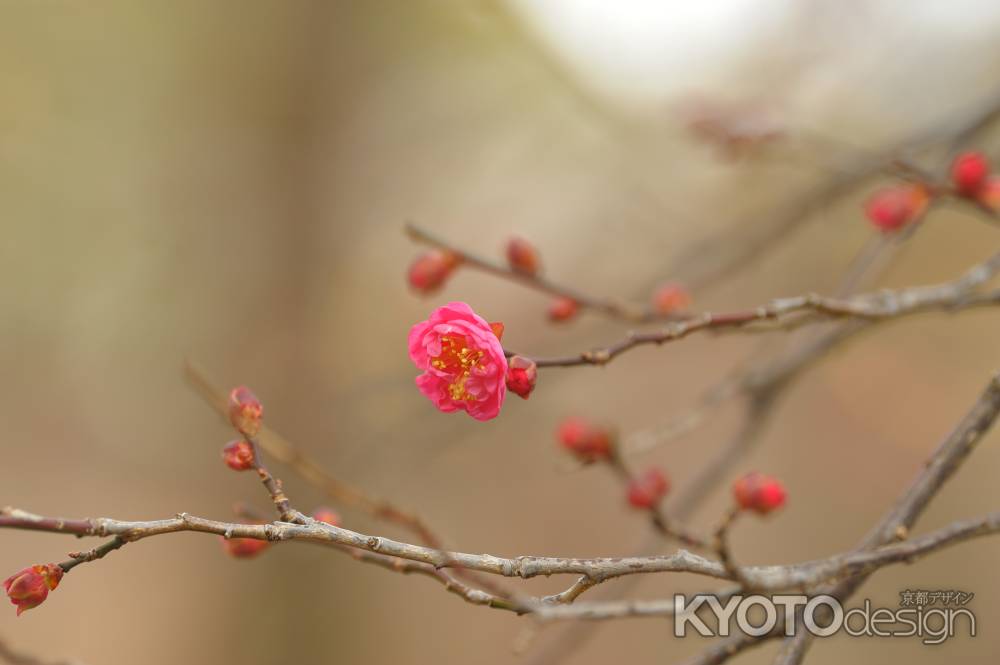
30,587
586,441
521,376
671,298
431,270
238,455
522,256
647,489
245,411
759,493
891,208
969,172
563,309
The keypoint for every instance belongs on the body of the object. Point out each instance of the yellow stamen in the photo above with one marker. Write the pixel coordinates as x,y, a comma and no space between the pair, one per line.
458,360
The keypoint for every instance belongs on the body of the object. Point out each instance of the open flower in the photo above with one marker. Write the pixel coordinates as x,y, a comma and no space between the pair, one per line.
463,361
30,587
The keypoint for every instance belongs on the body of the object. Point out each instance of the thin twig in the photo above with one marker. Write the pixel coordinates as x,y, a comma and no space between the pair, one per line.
788,313
613,308
309,470
896,524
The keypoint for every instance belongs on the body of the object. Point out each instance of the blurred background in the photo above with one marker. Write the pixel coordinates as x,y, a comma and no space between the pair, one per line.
227,182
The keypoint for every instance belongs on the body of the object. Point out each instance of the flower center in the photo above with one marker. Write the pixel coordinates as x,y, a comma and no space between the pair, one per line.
458,360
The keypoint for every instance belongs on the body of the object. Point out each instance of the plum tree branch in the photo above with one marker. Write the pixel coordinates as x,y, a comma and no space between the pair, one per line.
894,526
595,570
613,308
281,449
312,472
788,313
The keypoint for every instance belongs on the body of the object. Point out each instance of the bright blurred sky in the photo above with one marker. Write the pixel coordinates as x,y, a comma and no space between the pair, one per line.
895,51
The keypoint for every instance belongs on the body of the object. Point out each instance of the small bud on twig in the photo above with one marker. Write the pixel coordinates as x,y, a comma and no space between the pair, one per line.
523,257
521,376
759,493
969,173
588,442
238,455
647,489
30,587
431,270
891,208
245,411
671,298
563,309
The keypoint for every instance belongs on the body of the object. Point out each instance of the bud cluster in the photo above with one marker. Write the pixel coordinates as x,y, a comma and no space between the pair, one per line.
891,208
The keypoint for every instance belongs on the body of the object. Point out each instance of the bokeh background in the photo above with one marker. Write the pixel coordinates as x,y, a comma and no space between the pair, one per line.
227,182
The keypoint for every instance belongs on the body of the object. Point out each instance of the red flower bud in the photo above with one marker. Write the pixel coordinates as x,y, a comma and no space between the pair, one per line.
522,256
563,309
891,208
431,270
670,298
328,515
238,455
30,587
521,375
969,172
245,411
244,548
588,442
759,493
647,489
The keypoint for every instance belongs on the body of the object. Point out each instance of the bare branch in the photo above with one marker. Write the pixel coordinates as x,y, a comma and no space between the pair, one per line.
613,308
312,472
595,570
788,313
900,519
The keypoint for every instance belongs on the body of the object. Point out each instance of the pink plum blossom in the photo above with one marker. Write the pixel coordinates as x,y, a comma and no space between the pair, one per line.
464,364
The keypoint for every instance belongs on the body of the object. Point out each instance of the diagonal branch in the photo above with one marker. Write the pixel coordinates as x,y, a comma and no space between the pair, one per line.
900,519
610,307
789,313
